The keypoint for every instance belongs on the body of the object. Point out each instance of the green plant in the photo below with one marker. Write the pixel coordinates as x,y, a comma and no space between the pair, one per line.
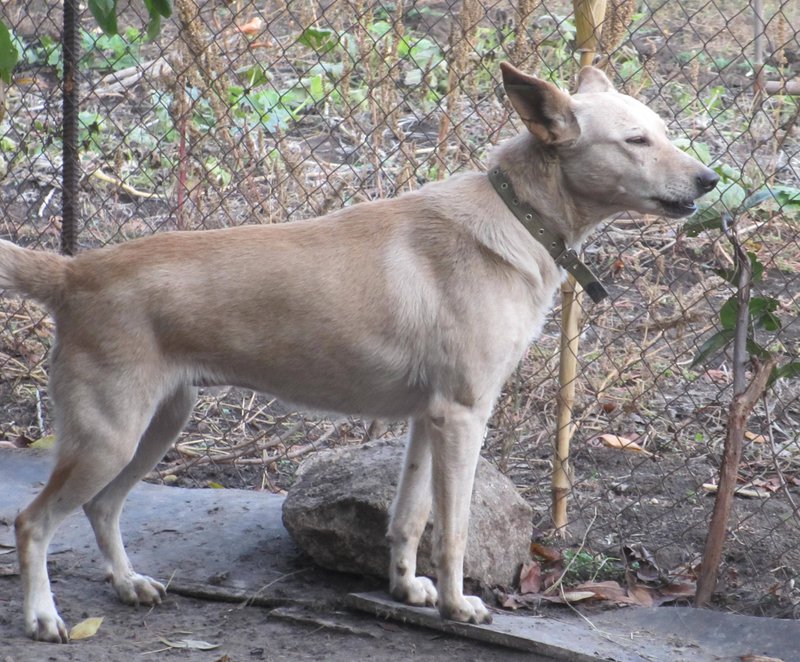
8,54
105,13
111,52
731,201
582,565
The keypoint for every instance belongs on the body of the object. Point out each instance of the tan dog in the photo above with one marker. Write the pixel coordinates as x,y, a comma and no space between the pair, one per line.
416,307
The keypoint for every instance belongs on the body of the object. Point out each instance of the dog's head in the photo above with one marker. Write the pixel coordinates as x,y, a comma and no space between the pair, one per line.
612,149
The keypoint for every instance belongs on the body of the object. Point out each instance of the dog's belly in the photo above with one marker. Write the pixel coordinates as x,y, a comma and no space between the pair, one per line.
377,394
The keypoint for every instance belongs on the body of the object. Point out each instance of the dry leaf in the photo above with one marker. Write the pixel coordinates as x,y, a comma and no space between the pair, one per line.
87,628
748,490
760,658
718,375
569,596
608,590
254,26
755,438
675,591
545,553
642,595
45,442
530,578
190,644
623,443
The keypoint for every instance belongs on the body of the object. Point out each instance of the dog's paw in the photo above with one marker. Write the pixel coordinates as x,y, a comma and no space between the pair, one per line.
47,627
469,609
417,591
136,589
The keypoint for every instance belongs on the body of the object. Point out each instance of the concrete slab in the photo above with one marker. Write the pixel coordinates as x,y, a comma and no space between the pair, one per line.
231,545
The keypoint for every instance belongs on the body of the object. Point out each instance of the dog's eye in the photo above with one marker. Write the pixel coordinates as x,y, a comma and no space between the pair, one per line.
638,140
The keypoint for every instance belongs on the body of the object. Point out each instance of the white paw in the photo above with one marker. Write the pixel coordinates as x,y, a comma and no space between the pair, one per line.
136,589
417,591
46,627
467,609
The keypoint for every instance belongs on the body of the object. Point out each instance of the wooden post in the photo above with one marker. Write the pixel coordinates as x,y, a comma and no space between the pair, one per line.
588,18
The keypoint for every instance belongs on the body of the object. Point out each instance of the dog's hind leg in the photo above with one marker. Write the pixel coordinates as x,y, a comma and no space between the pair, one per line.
456,436
105,508
97,429
410,511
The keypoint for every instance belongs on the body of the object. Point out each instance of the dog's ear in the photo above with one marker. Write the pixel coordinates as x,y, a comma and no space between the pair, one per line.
591,80
544,109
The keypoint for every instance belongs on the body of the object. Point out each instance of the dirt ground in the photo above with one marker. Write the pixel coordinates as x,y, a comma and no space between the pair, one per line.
241,633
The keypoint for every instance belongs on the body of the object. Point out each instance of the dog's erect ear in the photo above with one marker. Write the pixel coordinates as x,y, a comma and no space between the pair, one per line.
591,80
544,108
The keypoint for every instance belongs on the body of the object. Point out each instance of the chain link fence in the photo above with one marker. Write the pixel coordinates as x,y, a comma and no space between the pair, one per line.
270,111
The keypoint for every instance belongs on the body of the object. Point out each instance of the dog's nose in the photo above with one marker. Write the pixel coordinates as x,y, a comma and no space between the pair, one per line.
707,180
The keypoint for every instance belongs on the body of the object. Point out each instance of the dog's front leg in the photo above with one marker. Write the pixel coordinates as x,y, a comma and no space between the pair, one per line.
456,436
410,511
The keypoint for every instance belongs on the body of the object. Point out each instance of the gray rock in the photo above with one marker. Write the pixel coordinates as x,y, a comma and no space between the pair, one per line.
338,512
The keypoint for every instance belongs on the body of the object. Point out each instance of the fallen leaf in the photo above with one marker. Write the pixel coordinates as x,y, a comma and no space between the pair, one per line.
87,628
608,590
755,438
511,602
773,483
253,26
647,570
216,486
718,375
760,658
47,441
545,553
569,596
190,644
745,491
530,577
642,595
623,443
675,591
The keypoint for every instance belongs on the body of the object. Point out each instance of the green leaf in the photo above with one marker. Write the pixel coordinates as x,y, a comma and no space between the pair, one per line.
700,151
707,219
105,13
8,54
757,198
732,275
733,196
713,345
756,350
319,40
163,7
770,322
156,9
791,369
760,305
787,197
729,313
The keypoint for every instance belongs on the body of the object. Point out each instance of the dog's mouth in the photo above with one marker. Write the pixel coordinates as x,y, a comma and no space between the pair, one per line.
677,208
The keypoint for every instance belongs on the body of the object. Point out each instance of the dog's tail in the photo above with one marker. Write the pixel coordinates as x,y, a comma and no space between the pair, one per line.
35,274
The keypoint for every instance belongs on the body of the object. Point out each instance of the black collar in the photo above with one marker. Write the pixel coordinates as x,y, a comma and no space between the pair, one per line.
564,256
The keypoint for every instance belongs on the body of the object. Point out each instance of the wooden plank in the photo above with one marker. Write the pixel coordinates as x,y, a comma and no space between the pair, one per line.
546,637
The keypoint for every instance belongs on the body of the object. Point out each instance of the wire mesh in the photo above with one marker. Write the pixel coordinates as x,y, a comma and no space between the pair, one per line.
271,111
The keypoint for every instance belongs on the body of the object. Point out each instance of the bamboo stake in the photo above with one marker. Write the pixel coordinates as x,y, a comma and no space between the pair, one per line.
567,374
588,17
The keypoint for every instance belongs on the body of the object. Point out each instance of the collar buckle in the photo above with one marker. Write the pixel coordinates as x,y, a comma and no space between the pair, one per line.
564,257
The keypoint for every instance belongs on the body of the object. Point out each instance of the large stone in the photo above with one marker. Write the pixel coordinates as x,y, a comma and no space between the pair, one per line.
338,511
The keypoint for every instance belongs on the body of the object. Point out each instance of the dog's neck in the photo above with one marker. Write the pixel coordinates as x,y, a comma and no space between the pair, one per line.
536,175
